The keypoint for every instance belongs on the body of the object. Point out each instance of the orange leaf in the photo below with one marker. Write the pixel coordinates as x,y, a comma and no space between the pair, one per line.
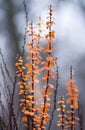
30,44
24,119
49,92
52,64
51,85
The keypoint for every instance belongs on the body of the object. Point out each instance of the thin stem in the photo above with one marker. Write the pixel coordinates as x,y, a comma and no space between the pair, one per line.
55,94
26,20
62,113
72,103
32,32
80,116
48,73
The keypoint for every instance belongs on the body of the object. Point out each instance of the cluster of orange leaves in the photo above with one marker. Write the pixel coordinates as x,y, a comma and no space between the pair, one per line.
72,93
62,122
68,118
48,71
31,88
35,98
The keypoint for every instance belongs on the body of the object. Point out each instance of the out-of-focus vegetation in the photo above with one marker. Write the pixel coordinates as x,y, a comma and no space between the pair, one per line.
13,37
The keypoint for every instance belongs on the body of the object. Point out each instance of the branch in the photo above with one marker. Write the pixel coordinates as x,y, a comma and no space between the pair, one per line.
26,20
55,94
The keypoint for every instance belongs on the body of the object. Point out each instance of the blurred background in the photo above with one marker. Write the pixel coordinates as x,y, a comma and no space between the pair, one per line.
70,36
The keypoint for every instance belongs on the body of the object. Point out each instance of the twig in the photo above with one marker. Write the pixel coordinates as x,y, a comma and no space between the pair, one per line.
5,67
26,20
80,116
55,94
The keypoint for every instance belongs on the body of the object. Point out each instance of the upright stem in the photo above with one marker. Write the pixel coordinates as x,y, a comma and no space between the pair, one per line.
72,103
32,72
26,18
55,94
80,116
62,114
48,73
